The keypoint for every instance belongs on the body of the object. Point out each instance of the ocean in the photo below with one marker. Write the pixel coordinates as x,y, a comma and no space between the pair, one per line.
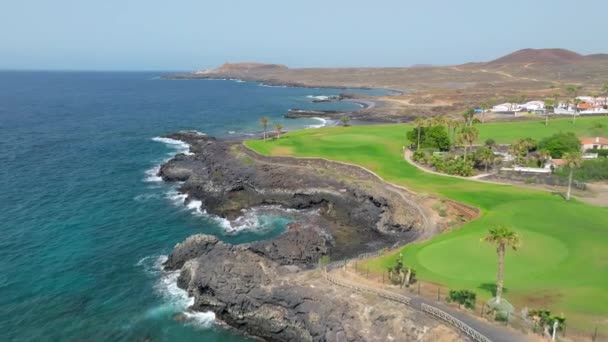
84,221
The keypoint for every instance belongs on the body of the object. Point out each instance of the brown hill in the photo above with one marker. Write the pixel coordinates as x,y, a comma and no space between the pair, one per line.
247,67
541,56
598,56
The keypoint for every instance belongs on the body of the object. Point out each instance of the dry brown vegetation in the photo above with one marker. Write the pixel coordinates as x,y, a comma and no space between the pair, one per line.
434,90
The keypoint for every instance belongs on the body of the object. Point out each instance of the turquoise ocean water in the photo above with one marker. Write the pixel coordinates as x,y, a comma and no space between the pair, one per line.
84,223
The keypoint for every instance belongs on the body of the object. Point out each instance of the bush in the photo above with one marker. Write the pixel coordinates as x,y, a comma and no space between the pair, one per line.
401,274
463,297
324,260
453,165
560,143
419,156
542,318
435,137
590,170
601,153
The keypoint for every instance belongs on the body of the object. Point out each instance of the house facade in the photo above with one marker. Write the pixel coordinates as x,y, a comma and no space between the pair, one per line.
597,143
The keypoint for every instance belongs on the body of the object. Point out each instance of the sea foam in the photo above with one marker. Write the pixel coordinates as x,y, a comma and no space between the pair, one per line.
322,124
176,300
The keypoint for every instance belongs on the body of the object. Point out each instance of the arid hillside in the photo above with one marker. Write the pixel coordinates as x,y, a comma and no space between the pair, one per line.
432,90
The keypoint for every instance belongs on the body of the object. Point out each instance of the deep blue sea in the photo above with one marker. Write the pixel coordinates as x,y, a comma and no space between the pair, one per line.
84,222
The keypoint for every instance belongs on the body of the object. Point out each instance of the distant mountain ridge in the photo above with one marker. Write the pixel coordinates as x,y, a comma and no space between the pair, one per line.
228,68
541,56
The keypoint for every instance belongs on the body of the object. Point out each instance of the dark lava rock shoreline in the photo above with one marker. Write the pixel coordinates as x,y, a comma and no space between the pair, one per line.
269,289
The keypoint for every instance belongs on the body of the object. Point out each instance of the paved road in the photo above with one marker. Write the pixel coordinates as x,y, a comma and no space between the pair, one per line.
493,332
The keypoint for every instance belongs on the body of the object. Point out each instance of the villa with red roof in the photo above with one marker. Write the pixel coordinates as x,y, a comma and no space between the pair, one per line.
597,143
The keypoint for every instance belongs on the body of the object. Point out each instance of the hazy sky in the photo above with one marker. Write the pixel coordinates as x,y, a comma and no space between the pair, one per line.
192,34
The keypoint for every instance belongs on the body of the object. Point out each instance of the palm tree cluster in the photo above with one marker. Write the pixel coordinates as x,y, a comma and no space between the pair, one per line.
265,122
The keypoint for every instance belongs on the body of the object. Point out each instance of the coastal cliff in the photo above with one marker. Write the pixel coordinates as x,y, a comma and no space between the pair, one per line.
272,289
261,298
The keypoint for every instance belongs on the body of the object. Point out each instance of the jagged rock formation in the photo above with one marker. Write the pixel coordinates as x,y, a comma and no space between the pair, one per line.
276,303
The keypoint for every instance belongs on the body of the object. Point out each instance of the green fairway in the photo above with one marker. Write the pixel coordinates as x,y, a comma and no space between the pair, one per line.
507,132
563,262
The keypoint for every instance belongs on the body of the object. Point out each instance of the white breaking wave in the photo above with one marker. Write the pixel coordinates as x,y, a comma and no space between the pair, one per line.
203,320
257,220
176,300
322,124
152,175
318,97
180,146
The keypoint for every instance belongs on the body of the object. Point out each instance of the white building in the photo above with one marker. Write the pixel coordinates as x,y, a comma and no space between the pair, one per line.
506,108
534,106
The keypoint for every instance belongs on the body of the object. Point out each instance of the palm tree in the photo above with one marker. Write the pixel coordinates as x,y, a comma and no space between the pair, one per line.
468,117
572,160
515,150
555,100
542,156
483,106
548,103
278,127
264,121
419,123
442,120
502,237
485,156
452,126
468,135
576,103
573,90
605,91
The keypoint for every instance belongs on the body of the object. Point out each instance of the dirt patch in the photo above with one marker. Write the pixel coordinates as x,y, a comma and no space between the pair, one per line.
541,300
597,194
283,151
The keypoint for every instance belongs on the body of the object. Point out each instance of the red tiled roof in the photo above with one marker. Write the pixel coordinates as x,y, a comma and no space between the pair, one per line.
592,141
585,105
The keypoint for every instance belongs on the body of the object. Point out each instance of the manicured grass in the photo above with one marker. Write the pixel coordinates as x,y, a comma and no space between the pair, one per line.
507,132
563,263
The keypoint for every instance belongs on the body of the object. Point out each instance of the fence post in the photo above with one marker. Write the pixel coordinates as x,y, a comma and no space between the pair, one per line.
594,335
438,294
482,307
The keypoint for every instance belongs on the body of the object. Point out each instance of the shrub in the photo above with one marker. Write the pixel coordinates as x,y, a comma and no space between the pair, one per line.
419,156
601,153
324,260
590,170
431,137
441,209
560,143
542,318
401,274
463,297
453,165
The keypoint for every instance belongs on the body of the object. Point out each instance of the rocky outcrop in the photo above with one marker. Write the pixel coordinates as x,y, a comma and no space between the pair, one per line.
275,303
303,113
271,289
227,178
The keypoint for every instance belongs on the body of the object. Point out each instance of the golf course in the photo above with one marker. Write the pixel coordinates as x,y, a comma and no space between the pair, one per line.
562,264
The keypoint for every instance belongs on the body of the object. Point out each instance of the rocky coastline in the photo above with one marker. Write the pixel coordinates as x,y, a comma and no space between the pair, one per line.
272,289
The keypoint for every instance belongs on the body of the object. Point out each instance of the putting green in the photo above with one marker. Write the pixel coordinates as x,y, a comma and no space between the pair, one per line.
454,257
